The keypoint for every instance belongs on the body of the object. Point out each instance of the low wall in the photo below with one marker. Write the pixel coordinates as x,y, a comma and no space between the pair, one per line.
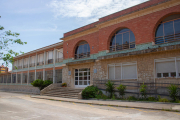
20,88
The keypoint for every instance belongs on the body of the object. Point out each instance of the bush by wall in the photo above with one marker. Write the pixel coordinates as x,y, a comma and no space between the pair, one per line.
41,84
91,92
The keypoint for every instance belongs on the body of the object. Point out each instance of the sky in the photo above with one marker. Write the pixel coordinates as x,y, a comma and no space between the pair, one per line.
43,22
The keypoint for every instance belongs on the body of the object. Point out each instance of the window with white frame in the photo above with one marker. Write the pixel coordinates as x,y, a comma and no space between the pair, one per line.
32,61
167,67
122,71
59,55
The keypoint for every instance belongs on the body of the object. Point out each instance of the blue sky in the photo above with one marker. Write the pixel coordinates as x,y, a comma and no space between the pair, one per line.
42,22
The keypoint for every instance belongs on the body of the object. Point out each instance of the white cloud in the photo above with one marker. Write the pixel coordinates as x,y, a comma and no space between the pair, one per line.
90,10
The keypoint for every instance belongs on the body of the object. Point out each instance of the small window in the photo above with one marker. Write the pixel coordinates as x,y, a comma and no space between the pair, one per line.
159,75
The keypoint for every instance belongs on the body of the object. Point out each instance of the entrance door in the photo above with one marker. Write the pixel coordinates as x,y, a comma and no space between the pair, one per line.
82,77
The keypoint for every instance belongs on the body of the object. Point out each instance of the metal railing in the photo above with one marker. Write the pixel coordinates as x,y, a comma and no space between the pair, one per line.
50,61
132,86
167,39
122,47
19,67
25,66
82,55
40,63
32,65
59,60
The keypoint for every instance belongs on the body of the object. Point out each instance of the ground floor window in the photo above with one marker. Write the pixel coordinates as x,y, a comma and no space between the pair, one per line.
169,67
31,77
18,78
121,71
58,76
24,80
14,78
9,79
49,75
1,79
39,75
5,78
82,76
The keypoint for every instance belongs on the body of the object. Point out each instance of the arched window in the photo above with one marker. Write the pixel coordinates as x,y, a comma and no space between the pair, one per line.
168,30
82,50
122,39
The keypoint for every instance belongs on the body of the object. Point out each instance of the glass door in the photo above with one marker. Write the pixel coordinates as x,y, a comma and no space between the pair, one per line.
82,77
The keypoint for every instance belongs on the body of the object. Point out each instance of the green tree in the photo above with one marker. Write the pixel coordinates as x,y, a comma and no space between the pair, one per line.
7,40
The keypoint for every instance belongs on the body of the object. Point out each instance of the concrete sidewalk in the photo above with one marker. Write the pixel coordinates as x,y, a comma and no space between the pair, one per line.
144,105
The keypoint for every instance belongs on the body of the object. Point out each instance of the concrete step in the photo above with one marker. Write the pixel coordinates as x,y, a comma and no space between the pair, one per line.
60,90
75,97
61,93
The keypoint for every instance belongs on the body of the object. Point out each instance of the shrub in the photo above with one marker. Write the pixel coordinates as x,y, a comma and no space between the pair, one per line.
151,98
173,92
102,96
41,84
131,98
163,100
143,90
110,88
64,84
121,90
91,92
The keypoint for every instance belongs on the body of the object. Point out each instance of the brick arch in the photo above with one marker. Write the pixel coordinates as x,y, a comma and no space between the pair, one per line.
113,32
159,20
77,43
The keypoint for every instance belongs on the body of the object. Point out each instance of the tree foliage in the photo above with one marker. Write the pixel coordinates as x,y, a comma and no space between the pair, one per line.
7,40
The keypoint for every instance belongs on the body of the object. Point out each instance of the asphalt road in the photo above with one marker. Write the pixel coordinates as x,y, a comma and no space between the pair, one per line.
15,106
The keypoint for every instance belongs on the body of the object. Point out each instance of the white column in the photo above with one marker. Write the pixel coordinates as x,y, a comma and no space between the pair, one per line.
43,74
54,56
44,58
54,75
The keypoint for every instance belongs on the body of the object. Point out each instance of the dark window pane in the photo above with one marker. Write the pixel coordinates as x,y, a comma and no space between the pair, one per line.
85,48
173,74
88,82
85,78
126,38
168,28
159,31
85,82
80,82
119,39
165,74
76,70
80,49
132,37
80,74
112,41
81,78
76,74
158,74
76,78
76,82
177,26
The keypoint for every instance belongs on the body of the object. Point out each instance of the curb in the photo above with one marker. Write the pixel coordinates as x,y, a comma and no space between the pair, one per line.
105,104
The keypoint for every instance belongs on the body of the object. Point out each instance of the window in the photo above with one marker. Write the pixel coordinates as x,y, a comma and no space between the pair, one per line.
40,59
31,77
20,64
18,78
59,55
122,39
9,79
82,50
122,71
49,57
25,65
39,75
58,76
49,75
24,80
168,30
167,67
32,61
14,78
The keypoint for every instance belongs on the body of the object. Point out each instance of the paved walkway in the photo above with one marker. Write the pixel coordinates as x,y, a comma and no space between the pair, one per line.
150,105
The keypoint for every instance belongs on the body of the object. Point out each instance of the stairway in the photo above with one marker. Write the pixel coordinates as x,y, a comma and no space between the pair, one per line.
64,92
